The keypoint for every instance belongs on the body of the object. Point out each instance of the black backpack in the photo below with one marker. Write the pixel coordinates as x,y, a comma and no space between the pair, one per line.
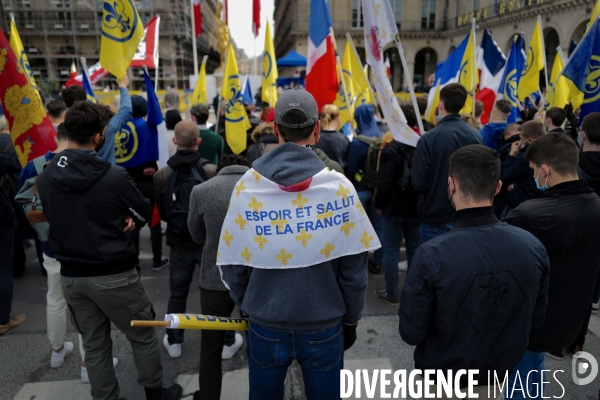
177,199
407,193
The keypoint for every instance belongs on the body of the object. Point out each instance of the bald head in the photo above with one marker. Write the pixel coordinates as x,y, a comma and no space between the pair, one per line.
187,135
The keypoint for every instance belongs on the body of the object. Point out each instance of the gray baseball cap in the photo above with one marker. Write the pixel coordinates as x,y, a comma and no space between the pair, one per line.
296,99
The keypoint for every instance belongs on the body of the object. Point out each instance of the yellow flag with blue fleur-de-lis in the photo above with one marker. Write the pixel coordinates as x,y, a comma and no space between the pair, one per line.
469,76
236,119
122,30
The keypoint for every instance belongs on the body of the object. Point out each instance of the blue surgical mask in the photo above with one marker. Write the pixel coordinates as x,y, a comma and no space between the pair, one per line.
543,187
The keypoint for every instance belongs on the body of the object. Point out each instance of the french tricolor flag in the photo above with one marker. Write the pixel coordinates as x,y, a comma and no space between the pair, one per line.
321,73
491,62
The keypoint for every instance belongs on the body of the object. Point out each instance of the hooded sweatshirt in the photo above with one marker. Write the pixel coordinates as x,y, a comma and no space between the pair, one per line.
492,134
316,297
357,151
85,200
589,169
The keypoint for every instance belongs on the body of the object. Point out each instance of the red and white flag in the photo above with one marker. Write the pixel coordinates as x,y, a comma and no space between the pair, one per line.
95,72
255,17
197,18
491,62
388,67
146,54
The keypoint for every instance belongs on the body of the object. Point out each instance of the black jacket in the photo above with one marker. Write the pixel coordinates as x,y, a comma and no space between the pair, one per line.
473,294
516,170
335,145
9,165
566,219
390,198
506,145
85,200
589,169
431,163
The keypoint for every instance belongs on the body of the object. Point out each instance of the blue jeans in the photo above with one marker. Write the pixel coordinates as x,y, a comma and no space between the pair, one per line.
270,352
431,231
366,198
531,361
392,228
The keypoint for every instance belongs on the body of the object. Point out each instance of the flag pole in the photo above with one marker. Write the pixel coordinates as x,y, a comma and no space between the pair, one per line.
194,47
156,76
473,28
255,58
539,19
341,74
411,89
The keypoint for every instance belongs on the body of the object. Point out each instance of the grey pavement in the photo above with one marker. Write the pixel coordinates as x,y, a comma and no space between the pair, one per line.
25,372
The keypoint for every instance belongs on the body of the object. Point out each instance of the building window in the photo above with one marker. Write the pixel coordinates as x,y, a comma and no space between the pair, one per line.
428,18
397,10
475,5
495,7
457,9
357,17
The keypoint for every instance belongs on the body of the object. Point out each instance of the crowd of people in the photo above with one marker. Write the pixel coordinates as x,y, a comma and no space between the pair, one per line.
499,222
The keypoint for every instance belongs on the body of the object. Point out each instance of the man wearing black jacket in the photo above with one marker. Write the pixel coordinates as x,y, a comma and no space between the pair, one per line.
99,277
566,219
474,308
429,173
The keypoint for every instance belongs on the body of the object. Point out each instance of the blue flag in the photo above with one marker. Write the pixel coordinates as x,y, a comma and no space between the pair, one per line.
247,91
510,80
582,69
87,83
447,70
572,47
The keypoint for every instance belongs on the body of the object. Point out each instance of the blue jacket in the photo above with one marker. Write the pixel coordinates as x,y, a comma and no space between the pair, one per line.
492,134
516,170
472,296
357,151
107,152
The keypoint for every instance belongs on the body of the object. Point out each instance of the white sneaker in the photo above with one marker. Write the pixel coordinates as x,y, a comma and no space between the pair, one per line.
174,350
229,351
403,266
58,357
84,375
594,308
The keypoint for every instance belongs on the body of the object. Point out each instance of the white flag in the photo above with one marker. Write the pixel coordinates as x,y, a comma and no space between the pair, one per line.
380,29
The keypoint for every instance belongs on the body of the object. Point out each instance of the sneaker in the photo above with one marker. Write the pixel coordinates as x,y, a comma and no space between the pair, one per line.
58,357
556,354
374,268
383,296
574,350
160,393
163,264
403,266
84,375
229,351
174,349
594,308
12,324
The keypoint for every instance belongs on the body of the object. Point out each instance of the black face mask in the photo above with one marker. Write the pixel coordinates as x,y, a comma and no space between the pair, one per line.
100,145
450,197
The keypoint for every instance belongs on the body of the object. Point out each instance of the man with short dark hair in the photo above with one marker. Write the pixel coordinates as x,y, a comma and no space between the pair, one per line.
493,131
212,145
474,308
56,112
99,277
299,274
429,172
72,94
422,104
566,219
555,118
510,135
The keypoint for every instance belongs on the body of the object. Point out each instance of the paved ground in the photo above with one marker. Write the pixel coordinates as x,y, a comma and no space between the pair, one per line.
25,372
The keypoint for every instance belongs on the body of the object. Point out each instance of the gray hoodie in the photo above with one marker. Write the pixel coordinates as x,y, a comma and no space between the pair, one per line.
316,297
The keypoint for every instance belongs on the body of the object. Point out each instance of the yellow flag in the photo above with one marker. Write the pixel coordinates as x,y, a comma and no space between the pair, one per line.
469,76
530,77
199,94
236,119
434,104
19,50
122,30
595,13
270,75
558,95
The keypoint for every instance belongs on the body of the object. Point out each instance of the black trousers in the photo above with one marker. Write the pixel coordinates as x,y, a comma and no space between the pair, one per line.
216,303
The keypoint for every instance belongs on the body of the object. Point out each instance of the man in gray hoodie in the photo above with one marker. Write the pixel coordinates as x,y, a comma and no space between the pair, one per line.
305,313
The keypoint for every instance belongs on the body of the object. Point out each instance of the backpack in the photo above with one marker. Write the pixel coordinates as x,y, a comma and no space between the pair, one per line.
264,148
368,175
32,204
177,199
407,193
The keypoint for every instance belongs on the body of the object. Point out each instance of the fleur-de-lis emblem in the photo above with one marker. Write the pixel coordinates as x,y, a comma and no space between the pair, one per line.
256,176
255,205
241,222
246,254
300,201
347,227
218,254
324,215
227,238
228,206
283,257
239,189
303,237
360,207
343,192
260,241
327,250
281,223
366,239
115,16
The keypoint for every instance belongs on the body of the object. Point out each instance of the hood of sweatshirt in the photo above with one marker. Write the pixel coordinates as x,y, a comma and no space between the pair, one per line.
365,121
183,158
76,170
589,163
